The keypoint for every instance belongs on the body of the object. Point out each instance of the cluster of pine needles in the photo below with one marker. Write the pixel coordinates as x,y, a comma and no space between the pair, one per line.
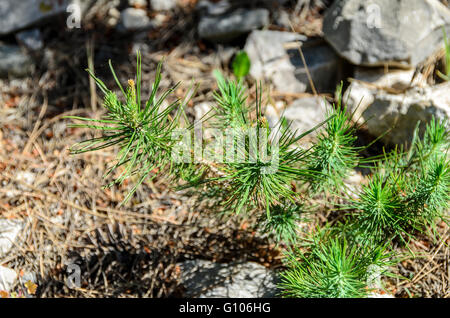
407,193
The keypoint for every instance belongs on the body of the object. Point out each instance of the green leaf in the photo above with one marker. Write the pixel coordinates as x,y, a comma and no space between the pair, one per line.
241,65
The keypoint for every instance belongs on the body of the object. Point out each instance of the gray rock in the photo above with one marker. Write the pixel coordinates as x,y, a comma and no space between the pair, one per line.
9,230
113,17
270,61
8,277
254,2
163,5
16,15
205,279
306,113
225,53
378,32
133,19
323,65
31,39
268,3
275,56
388,102
302,115
14,62
226,27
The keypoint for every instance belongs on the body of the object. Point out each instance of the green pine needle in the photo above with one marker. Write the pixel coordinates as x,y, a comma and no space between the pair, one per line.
142,132
334,155
251,181
331,268
284,222
380,210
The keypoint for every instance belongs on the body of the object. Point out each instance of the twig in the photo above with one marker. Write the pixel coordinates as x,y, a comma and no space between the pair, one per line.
306,66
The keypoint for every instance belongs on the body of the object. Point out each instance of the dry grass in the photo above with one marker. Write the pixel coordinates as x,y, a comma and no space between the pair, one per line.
426,271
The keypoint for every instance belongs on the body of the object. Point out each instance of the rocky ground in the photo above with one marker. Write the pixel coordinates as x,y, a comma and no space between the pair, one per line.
62,235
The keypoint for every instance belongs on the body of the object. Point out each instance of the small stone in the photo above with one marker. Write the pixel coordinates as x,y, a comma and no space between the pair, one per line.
29,276
268,3
302,114
159,19
9,231
353,184
205,279
282,19
306,113
140,46
354,178
201,110
135,19
25,176
323,66
374,282
231,25
163,5
114,13
112,22
31,39
380,295
272,115
8,278
269,59
14,62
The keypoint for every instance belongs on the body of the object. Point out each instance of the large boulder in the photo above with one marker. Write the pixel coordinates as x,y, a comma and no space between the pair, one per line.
9,232
379,32
275,56
8,278
133,19
388,102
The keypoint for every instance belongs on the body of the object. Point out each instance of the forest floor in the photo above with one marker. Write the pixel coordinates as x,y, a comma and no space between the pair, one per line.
132,251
